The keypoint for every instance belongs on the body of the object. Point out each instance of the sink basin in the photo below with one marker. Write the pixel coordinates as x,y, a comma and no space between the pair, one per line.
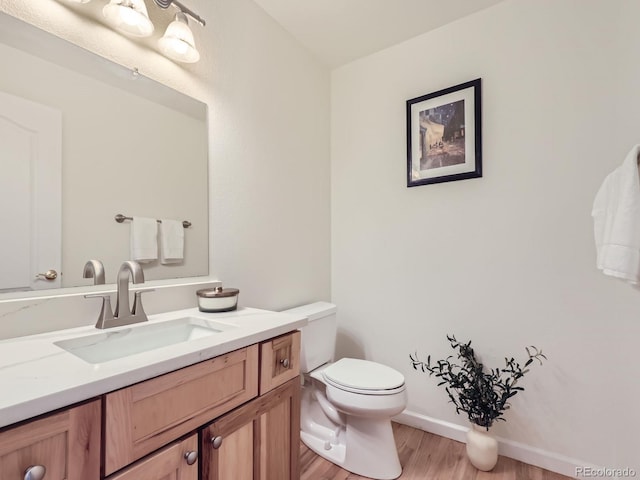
112,345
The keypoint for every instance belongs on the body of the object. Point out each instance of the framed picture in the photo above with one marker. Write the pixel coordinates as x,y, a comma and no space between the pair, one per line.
444,135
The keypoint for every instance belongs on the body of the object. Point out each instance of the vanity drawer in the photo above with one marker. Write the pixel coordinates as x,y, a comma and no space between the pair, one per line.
144,417
279,361
66,444
172,462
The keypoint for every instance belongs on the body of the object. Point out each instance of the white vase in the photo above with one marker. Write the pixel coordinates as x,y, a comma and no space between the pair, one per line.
482,448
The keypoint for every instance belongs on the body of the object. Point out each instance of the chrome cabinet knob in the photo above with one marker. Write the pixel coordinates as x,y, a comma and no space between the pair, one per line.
191,457
48,275
35,472
216,442
285,362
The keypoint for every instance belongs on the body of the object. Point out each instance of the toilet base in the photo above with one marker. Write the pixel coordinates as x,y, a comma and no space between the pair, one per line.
367,448
335,453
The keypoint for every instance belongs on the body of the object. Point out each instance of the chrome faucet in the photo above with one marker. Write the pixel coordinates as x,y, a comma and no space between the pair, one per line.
123,315
94,269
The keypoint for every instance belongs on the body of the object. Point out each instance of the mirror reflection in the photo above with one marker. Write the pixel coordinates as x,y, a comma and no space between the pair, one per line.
82,140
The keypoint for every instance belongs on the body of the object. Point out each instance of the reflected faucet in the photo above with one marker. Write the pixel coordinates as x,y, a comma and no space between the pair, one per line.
123,315
94,269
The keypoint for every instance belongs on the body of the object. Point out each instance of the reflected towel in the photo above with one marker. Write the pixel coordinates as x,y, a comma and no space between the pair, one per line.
171,241
144,239
616,216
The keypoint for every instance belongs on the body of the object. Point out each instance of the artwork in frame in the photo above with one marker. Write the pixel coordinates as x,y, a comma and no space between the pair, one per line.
444,135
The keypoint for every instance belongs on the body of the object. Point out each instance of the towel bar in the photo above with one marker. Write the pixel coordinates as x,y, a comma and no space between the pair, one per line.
121,218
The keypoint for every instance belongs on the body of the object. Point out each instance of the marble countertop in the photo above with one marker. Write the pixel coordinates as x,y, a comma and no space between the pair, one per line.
37,376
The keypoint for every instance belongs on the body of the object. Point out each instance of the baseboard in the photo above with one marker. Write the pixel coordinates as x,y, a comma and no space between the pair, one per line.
432,425
518,451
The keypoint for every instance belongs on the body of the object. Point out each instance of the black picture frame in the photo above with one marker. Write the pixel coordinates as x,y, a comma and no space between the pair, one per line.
444,135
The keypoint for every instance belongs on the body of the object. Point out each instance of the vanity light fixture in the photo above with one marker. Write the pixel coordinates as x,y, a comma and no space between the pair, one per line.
177,42
131,17
128,16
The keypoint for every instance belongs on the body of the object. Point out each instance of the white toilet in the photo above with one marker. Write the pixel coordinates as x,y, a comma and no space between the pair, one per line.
347,405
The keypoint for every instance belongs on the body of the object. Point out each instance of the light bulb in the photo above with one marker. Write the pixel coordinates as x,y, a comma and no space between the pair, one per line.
179,46
128,16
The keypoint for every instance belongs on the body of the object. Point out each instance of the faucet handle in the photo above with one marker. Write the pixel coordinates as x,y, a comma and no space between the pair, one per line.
106,313
145,290
138,310
98,295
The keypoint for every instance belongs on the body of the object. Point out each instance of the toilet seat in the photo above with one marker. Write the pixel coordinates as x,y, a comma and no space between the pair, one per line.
363,377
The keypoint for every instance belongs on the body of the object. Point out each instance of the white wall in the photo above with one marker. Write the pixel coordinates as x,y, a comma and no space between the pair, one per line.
270,170
269,140
507,260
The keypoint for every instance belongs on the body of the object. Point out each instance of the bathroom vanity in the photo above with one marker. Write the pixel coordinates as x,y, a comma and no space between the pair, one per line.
210,407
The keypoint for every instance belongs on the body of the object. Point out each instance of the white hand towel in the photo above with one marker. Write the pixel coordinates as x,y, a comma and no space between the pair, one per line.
171,241
144,239
616,217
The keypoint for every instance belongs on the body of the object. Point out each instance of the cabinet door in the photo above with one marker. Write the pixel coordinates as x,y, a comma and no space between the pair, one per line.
279,427
66,444
258,441
146,416
279,361
175,462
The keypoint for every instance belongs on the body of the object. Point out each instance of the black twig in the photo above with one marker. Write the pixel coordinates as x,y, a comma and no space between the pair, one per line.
482,394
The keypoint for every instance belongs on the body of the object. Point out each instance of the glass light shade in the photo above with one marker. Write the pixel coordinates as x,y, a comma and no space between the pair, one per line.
128,16
177,42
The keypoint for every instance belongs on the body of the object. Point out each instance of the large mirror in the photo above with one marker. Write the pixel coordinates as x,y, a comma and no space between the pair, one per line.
82,140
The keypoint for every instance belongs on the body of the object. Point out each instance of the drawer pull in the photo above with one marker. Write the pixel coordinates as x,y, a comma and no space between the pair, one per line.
191,457
285,362
216,442
35,472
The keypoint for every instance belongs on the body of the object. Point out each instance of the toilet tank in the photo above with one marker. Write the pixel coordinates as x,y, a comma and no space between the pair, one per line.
318,341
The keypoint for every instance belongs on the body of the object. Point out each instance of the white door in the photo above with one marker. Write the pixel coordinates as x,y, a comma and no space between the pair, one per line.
30,193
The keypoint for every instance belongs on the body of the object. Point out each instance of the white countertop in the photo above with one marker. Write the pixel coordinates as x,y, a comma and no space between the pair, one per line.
37,376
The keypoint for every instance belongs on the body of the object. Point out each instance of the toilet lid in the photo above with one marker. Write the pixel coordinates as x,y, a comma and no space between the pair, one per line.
363,375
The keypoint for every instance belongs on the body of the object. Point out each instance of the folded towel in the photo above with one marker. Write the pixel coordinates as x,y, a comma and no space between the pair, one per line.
144,239
171,241
616,217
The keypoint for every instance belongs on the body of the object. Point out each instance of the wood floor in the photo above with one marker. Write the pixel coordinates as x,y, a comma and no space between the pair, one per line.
425,456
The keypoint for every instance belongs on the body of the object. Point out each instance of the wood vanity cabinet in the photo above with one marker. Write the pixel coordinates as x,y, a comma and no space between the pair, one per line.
66,444
235,416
